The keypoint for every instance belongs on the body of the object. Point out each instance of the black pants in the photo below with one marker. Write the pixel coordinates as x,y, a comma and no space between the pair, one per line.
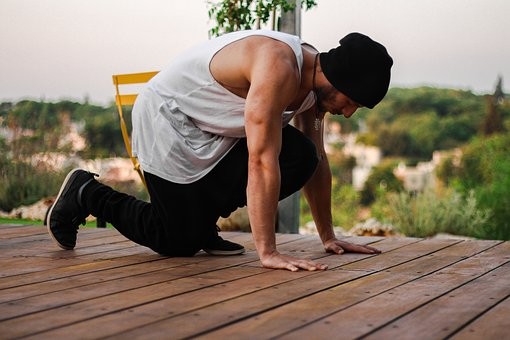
182,217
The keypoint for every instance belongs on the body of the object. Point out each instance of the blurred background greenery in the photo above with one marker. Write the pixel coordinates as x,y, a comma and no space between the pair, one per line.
470,196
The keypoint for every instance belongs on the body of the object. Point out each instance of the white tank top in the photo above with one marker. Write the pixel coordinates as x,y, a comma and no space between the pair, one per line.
184,121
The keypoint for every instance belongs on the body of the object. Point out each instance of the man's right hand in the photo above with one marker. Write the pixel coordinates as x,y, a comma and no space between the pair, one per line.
276,260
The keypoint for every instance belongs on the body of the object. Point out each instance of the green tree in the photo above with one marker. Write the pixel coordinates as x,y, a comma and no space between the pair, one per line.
381,176
485,170
394,140
103,136
493,122
416,122
341,166
235,15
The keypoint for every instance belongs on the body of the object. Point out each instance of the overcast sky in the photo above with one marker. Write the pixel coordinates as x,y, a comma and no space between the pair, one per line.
68,49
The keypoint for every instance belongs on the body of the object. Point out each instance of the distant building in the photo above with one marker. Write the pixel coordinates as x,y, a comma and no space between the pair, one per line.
418,178
423,175
415,179
366,158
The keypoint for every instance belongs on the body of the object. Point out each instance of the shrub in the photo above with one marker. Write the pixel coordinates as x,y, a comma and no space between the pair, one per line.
23,184
426,214
485,169
380,176
344,203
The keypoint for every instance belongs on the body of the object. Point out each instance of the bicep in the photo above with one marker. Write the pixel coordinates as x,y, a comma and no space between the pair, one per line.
272,88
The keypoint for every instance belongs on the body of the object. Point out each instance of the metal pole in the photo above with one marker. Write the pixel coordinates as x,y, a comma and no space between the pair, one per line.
288,208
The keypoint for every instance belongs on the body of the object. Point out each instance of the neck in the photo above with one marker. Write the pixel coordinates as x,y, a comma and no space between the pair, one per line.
311,66
314,82
307,71
317,122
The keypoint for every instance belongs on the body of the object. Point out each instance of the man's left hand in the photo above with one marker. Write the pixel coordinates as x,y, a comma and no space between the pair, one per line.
337,246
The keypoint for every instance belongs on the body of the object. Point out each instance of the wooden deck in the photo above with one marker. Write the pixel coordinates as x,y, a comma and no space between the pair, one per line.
111,287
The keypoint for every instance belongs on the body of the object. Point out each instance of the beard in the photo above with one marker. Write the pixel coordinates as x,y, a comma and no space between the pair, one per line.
325,95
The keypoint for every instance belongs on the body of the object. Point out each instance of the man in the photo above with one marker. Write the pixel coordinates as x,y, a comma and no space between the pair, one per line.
211,133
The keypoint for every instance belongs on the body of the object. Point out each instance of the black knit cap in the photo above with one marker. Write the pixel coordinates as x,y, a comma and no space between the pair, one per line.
359,68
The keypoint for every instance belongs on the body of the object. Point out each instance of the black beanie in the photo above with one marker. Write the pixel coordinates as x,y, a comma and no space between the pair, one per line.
359,68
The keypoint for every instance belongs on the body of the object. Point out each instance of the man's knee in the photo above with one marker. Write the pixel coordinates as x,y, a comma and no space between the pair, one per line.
305,153
311,157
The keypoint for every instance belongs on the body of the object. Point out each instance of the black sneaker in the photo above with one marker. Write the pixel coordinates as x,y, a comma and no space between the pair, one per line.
221,247
67,213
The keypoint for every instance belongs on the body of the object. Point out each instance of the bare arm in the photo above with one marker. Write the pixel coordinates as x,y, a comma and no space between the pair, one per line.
318,190
274,81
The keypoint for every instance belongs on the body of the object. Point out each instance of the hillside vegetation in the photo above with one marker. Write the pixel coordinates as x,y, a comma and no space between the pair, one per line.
408,126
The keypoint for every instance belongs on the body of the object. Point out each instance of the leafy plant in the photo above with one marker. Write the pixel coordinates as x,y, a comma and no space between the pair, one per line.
416,122
23,184
426,214
34,129
380,177
485,169
344,203
235,15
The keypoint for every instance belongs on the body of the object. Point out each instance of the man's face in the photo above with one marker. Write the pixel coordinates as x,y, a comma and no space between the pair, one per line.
335,102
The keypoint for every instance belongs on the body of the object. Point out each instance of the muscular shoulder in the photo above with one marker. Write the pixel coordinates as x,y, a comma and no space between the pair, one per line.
269,47
237,65
271,56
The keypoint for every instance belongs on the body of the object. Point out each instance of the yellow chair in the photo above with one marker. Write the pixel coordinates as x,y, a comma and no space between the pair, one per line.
128,100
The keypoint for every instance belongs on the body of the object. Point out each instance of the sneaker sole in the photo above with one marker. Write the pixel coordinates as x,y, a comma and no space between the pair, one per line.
55,203
216,252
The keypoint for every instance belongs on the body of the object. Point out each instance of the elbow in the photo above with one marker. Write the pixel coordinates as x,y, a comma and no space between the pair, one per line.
257,163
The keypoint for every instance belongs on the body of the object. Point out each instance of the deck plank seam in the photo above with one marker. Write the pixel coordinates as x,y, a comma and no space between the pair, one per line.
124,308
467,323
163,298
92,283
412,310
412,279
457,258
261,311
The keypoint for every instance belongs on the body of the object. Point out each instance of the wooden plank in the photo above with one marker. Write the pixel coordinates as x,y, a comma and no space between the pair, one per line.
127,301
451,311
365,317
63,272
494,324
43,248
72,275
107,289
21,231
105,305
284,318
63,297
406,254
268,281
92,245
21,265
146,313
23,241
48,270
42,235
89,278
193,323
311,247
